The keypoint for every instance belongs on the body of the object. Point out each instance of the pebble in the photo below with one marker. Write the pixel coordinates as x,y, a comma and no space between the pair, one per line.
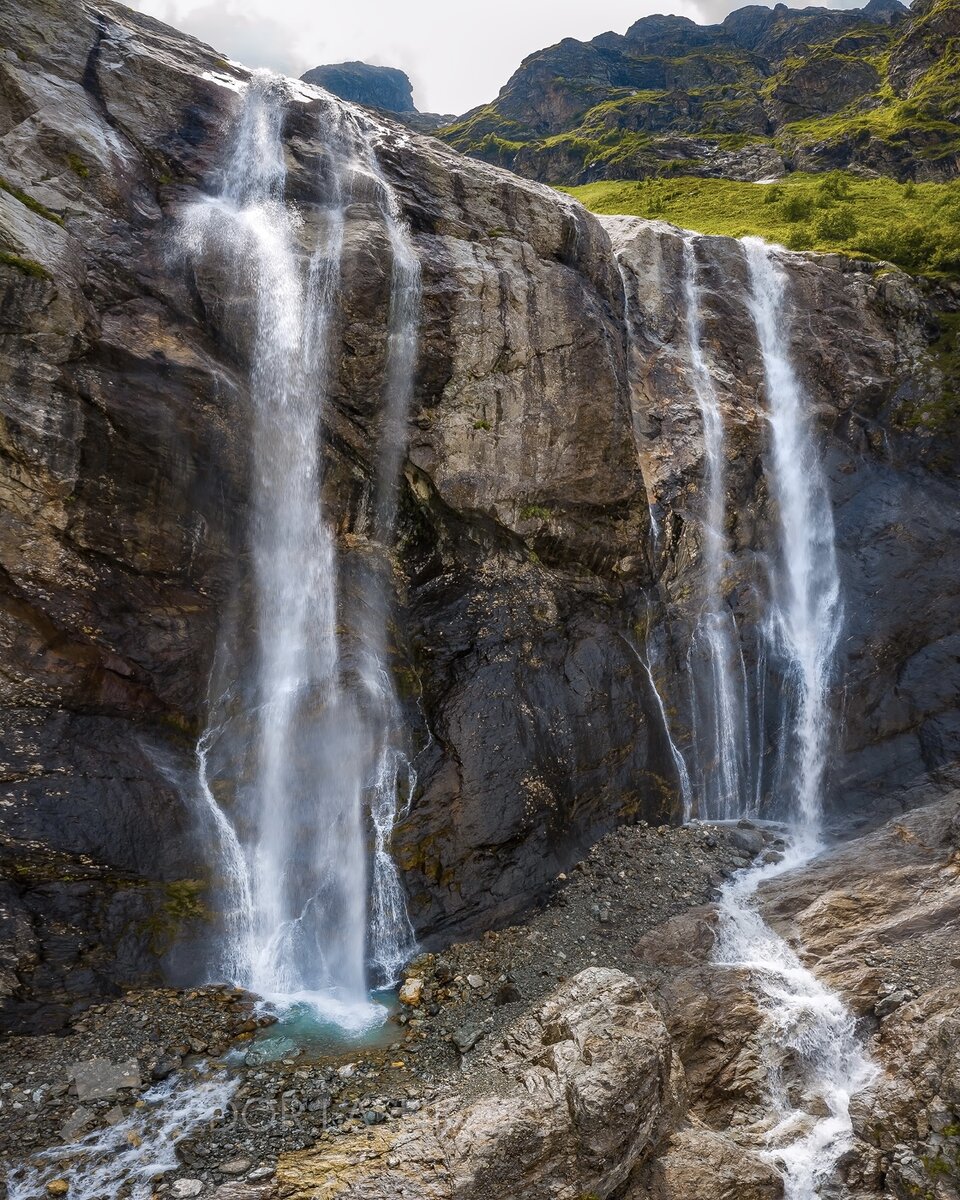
236,1166
185,1189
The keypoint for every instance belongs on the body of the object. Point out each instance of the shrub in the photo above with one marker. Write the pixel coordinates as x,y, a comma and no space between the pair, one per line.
834,186
837,225
800,238
797,208
909,246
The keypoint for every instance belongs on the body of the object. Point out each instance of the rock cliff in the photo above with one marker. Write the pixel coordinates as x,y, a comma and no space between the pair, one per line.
528,589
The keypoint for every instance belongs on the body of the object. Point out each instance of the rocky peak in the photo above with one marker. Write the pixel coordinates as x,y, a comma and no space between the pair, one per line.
386,88
668,35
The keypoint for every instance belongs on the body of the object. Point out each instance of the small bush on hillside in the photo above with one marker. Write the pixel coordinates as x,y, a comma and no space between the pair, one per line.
837,224
909,246
797,208
834,186
800,238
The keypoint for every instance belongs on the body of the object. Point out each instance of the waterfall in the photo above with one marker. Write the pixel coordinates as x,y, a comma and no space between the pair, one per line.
303,753
719,714
805,605
814,1062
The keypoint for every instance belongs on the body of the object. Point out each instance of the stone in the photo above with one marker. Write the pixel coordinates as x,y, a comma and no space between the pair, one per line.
58,1187
411,992
508,993
475,981
466,1037
235,1166
889,1004
185,1189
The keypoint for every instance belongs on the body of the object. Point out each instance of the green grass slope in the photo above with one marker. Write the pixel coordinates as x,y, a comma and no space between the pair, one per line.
914,225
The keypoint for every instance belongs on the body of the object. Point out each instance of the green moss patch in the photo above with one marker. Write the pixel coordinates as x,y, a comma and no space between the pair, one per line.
28,202
26,266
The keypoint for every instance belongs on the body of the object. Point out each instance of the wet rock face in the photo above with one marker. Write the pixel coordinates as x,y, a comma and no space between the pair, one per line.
525,577
125,476
858,339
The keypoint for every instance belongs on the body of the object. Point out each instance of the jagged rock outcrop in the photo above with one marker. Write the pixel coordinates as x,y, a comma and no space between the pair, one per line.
386,88
585,1087
528,588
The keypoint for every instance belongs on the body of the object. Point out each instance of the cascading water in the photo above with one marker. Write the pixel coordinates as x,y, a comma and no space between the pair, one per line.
305,749
805,606
721,722
814,1061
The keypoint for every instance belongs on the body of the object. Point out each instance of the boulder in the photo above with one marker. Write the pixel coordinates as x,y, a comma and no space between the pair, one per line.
583,1087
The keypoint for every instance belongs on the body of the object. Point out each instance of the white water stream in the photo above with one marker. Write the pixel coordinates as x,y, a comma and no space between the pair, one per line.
814,1060
131,1157
720,713
302,758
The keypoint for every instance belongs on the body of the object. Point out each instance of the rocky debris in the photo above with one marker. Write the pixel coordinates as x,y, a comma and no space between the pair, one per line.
58,1088
599,913
586,1083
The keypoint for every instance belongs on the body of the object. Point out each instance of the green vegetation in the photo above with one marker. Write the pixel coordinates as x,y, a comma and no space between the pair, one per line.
535,512
481,424
29,202
78,166
915,226
26,266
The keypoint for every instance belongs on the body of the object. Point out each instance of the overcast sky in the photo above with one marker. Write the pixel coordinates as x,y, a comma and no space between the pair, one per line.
458,55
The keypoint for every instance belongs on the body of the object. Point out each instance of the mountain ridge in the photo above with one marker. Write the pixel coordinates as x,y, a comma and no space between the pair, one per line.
764,92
